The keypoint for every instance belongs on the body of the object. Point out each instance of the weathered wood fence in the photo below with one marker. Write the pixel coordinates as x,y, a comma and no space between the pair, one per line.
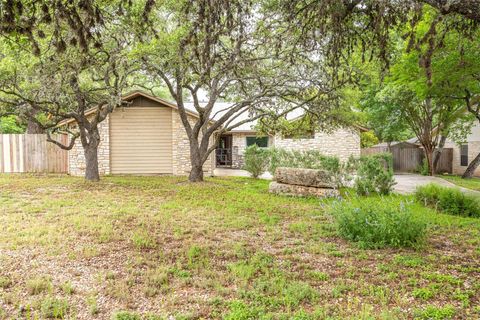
32,153
409,159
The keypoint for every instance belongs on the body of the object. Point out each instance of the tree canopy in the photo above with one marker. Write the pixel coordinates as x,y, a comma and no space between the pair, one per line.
411,66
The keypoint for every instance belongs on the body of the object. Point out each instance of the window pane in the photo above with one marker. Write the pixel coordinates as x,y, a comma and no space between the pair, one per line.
464,155
262,142
250,141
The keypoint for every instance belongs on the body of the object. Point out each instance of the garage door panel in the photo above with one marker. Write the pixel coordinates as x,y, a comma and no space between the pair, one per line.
141,140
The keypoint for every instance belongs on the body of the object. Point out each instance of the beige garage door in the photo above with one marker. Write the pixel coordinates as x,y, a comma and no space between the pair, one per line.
141,140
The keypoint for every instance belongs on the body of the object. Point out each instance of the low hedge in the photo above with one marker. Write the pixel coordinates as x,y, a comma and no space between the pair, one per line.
449,200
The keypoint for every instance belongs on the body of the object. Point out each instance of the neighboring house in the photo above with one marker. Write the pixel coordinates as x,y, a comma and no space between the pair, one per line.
147,137
464,154
458,160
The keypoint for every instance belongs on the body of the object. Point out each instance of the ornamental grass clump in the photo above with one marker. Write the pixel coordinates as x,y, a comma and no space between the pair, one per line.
448,200
379,222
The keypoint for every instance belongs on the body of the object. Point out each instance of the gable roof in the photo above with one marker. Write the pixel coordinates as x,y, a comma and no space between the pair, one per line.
218,111
135,94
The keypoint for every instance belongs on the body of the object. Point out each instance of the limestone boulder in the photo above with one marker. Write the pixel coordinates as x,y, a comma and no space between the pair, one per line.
304,177
301,191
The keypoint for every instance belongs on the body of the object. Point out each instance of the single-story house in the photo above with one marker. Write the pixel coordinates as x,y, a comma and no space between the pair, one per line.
147,137
464,154
458,160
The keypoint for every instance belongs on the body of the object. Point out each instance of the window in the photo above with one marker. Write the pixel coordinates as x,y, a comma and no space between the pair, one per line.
262,142
464,155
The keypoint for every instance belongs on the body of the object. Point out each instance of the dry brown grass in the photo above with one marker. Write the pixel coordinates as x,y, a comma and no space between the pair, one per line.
222,249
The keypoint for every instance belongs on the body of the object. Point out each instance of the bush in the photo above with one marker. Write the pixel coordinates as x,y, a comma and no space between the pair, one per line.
374,174
448,200
256,160
375,223
423,168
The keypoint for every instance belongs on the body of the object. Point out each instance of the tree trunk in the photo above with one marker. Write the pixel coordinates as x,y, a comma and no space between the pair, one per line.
91,161
196,174
33,127
472,167
196,155
438,152
429,156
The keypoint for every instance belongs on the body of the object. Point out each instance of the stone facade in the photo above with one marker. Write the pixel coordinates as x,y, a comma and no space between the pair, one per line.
239,144
76,157
473,142
341,143
181,147
180,150
473,151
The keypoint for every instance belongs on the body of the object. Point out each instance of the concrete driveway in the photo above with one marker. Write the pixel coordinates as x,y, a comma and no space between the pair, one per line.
406,183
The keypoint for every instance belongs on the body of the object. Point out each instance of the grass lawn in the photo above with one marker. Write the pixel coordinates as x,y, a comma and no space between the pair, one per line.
473,183
225,248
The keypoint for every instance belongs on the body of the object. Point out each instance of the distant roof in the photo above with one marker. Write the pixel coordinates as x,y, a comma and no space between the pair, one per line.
394,143
220,108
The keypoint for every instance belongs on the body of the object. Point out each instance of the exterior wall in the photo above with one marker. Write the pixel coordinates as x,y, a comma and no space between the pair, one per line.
239,144
181,147
76,157
341,143
473,151
473,141
180,150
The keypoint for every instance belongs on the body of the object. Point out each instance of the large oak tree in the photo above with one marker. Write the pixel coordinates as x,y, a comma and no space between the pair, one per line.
67,76
226,50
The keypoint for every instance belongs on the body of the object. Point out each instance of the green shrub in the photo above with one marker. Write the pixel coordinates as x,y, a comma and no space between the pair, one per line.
448,200
423,168
377,223
374,174
256,160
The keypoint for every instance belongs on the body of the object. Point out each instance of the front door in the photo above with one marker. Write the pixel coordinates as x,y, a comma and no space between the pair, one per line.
224,151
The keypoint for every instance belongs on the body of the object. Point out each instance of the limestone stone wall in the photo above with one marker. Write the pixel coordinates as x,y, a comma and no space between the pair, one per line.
239,144
341,143
181,147
473,151
76,157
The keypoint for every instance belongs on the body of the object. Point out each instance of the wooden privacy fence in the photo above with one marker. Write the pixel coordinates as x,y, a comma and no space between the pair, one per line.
409,159
21,153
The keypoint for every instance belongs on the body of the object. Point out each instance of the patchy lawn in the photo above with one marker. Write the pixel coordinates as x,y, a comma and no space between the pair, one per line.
473,183
225,248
